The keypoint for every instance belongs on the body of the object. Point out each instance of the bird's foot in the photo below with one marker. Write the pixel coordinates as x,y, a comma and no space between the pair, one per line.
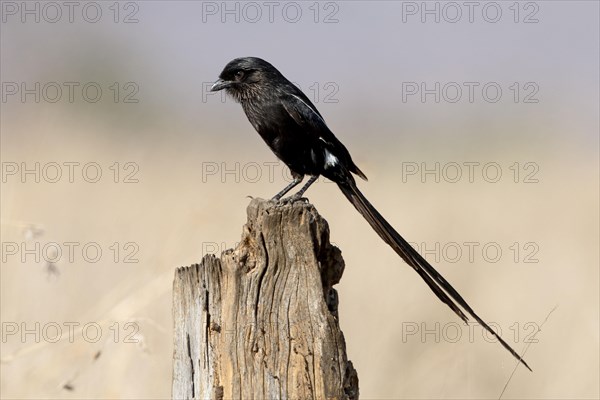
292,199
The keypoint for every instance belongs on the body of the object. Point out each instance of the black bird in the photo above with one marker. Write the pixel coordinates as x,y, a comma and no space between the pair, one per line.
296,132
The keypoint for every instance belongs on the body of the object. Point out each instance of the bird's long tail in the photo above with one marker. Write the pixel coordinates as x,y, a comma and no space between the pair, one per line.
442,289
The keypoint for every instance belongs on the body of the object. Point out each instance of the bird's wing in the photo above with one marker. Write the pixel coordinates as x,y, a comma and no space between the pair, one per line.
307,117
305,114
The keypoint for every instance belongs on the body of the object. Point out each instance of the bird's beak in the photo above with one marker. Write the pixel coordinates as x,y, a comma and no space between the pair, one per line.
220,85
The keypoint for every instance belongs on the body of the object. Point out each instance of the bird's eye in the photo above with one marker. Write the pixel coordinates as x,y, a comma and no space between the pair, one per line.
239,75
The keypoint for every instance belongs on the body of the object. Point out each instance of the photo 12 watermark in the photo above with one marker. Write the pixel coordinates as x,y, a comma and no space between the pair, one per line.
249,172
69,172
519,172
54,12
453,332
477,252
317,92
453,12
71,252
253,12
70,331
470,92
70,92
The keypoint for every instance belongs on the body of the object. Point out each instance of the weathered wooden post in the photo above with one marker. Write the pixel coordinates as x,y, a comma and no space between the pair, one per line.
261,322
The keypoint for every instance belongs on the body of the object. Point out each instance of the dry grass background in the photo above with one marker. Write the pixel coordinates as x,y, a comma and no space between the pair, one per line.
174,214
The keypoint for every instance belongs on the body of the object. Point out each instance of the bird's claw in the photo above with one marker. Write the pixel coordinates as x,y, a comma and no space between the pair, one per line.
292,199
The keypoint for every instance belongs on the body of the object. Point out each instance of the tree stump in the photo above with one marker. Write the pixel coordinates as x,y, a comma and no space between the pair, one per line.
261,322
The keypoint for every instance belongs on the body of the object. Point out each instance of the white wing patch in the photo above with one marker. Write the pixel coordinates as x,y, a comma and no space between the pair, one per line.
330,159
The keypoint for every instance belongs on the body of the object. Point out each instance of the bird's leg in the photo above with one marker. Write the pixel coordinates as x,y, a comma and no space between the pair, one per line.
300,192
297,179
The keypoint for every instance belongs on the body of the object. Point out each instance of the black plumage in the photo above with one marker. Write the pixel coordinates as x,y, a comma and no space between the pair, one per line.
296,132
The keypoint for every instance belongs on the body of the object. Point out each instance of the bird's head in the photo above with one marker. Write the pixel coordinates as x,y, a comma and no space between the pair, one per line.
241,77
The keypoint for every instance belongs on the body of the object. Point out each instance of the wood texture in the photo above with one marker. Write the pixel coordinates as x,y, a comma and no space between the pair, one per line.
261,322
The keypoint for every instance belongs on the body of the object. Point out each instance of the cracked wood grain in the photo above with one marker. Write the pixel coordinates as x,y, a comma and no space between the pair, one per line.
261,321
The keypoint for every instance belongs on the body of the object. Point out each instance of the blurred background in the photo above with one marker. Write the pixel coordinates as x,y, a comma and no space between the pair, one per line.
477,125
